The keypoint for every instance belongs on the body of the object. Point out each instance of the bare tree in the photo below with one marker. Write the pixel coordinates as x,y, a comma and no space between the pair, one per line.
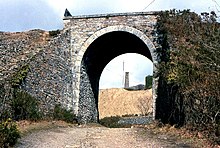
143,105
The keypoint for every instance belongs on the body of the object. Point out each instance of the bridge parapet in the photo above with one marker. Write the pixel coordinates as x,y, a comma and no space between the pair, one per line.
112,15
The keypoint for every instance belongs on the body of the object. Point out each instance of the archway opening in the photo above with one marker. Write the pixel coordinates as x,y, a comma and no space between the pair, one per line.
116,100
137,65
99,53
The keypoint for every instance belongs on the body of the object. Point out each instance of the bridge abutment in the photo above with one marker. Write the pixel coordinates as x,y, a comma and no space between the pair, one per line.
87,109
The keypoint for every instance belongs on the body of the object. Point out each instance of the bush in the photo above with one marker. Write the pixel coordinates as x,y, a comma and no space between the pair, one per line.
189,71
24,106
63,114
111,122
148,82
19,76
54,33
9,133
5,96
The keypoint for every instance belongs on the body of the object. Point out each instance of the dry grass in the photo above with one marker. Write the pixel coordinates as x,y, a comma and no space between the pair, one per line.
26,126
195,138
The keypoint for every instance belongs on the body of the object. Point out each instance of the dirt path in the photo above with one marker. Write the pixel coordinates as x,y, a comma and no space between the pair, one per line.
97,137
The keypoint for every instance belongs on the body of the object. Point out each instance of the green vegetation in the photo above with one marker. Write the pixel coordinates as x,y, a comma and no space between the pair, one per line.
9,133
25,107
148,82
189,71
112,122
54,33
63,114
19,76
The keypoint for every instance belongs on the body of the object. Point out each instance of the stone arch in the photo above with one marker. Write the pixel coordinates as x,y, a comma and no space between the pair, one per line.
131,30
89,113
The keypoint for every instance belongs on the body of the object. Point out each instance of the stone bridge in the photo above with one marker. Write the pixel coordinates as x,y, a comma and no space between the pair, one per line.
95,41
66,68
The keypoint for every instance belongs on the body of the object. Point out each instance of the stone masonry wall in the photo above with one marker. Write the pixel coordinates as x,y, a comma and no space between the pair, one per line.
16,49
50,76
87,104
85,29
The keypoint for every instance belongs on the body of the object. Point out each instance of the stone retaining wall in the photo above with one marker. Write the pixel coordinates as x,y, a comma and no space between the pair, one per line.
16,49
50,77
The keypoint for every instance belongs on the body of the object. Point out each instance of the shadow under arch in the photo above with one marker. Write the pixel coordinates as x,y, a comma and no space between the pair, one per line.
96,53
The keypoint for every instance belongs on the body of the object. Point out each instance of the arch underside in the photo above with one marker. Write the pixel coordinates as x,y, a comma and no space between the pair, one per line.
99,53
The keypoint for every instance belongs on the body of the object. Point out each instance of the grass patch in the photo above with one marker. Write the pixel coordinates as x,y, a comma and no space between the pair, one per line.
180,134
26,127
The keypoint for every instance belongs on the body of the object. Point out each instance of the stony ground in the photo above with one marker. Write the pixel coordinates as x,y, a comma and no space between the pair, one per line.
95,136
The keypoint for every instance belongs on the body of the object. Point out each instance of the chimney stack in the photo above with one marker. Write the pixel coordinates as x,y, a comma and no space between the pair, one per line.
126,84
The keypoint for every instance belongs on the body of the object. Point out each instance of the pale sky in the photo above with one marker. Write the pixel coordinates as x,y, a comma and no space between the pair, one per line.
22,15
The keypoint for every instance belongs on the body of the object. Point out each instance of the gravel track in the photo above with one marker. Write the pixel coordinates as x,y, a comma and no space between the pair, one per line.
96,137
136,120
